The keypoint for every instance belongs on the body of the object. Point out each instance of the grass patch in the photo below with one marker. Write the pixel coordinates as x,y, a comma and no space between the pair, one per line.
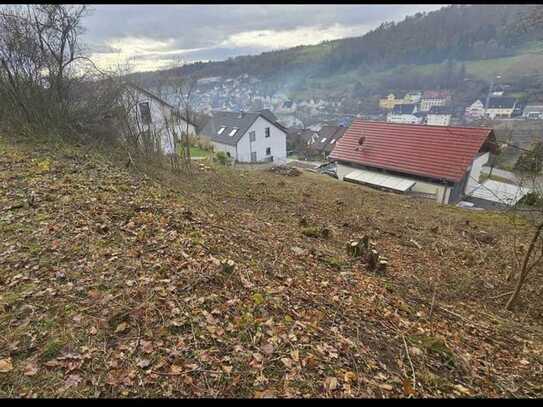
198,152
52,349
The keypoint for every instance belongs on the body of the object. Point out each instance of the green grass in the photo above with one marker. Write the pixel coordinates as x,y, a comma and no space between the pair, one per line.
198,152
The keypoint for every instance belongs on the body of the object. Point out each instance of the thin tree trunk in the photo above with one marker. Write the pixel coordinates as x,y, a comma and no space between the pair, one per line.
524,270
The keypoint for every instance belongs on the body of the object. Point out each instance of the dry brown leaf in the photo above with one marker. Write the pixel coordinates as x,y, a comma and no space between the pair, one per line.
143,363
147,346
6,365
31,368
121,327
267,348
330,383
175,369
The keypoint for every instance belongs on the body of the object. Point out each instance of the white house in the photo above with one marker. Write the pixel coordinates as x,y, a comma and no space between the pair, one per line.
404,113
441,163
154,116
501,107
438,116
533,112
476,110
247,136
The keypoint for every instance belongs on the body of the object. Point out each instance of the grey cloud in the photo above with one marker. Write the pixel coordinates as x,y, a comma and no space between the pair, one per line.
208,26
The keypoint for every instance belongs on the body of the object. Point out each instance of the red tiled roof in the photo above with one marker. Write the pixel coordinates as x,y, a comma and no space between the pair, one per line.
437,152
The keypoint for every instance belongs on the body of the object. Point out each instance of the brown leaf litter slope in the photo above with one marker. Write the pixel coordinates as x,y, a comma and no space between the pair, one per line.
113,285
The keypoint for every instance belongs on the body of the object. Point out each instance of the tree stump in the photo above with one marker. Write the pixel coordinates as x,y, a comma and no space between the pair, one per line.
354,248
382,265
227,266
373,259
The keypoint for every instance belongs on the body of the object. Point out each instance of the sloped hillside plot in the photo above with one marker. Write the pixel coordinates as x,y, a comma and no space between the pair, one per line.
116,285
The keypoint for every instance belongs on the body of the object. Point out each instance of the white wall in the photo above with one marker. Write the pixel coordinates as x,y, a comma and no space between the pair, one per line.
277,142
492,113
475,172
438,119
441,192
403,118
160,113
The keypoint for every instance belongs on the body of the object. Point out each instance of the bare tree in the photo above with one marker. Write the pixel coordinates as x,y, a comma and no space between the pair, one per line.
39,56
181,91
527,172
303,114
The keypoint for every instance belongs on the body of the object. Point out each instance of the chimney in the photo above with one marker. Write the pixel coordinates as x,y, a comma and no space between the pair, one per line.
241,113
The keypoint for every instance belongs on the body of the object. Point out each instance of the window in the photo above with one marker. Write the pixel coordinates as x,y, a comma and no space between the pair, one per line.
268,151
333,141
228,154
323,140
145,112
232,132
221,130
252,136
267,132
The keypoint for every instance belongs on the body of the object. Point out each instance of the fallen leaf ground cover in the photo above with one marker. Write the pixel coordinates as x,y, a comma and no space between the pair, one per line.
113,284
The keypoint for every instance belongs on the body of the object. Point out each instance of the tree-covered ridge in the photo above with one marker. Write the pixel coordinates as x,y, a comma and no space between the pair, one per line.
459,32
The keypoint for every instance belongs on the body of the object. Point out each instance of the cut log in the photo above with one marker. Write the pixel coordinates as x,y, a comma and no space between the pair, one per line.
382,265
354,248
373,259
227,266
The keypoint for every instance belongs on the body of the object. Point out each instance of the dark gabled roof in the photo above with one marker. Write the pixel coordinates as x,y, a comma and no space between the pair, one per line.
327,137
437,152
440,110
406,108
504,102
235,120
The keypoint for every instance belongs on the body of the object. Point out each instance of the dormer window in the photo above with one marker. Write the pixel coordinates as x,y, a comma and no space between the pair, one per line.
233,132
221,130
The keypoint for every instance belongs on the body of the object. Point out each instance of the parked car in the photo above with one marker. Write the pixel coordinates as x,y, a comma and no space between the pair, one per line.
328,169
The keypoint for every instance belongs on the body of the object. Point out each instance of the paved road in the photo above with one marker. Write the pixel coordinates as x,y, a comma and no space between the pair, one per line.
500,173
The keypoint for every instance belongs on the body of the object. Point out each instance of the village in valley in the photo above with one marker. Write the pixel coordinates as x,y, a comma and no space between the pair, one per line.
247,126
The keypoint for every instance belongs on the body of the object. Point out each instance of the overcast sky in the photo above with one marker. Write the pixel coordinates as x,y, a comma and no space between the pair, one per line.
157,36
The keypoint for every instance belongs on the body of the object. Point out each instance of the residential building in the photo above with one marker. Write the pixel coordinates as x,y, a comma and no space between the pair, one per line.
155,116
405,113
501,107
412,97
327,137
434,98
389,102
533,112
287,106
439,116
299,140
247,136
476,110
437,162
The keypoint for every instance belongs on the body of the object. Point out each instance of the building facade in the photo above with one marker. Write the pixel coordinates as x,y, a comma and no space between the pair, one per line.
247,137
